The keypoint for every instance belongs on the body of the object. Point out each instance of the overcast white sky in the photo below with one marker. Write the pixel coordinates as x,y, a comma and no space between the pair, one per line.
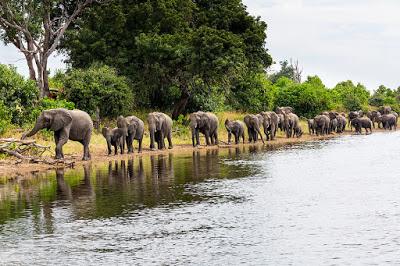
334,39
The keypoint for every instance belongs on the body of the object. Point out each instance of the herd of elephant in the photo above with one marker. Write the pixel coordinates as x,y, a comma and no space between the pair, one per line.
78,126
328,122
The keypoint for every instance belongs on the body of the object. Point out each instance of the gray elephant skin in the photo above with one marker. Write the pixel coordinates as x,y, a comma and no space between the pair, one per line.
235,128
134,130
160,127
253,127
67,124
341,123
270,124
205,123
311,126
389,121
292,125
362,122
115,138
375,117
321,124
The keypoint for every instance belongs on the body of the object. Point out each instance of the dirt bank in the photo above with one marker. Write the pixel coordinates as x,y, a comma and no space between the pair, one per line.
10,167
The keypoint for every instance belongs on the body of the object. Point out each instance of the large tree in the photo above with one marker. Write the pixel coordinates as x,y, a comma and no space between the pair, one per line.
190,45
36,27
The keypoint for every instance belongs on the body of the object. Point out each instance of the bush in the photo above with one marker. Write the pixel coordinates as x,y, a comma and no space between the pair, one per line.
17,94
47,103
348,96
308,98
255,93
98,86
5,118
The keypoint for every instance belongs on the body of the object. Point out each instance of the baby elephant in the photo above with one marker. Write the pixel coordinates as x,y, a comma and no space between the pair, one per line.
236,128
114,137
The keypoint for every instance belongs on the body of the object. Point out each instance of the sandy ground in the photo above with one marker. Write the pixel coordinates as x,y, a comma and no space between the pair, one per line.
11,168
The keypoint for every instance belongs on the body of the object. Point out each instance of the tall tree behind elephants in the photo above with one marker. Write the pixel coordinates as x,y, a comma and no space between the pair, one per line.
171,50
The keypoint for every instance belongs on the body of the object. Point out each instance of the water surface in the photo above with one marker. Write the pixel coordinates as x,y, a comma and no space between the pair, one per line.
325,202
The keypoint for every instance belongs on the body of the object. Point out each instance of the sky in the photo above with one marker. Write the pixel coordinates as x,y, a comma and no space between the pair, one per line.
334,39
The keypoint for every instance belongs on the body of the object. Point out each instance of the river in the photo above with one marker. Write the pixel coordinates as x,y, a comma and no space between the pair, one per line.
316,203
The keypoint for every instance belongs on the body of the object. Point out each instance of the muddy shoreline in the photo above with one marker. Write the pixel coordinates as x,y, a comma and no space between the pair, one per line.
11,168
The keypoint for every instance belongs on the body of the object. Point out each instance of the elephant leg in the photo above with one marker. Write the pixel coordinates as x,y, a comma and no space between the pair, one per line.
169,138
197,137
140,145
62,139
162,140
273,132
249,132
236,138
129,143
229,137
216,142
85,143
207,136
243,137
115,149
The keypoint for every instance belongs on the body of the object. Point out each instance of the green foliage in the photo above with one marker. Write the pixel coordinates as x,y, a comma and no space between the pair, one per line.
48,103
253,93
308,98
171,49
288,70
98,86
17,94
5,118
348,96
386,96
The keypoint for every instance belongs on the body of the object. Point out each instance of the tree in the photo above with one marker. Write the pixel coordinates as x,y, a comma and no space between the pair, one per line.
290,70
36,28
171,50
351,97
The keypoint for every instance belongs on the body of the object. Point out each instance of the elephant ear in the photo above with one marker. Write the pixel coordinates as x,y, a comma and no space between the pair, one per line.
105,131
60,119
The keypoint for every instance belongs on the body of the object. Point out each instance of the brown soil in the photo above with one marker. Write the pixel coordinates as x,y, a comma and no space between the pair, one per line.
11,168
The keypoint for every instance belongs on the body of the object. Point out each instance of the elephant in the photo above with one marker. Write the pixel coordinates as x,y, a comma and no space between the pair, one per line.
115,137
325,113
253,127
352,115
284,110
389,121
270,124
298,131
384,110
67,124
374,116
311,126
236,128
362,122
321,124
160,127
206,123
133,129
291,124
341,123
333,121
280,122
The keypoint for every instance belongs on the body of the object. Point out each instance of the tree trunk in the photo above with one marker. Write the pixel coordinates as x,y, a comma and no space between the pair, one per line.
32,72
180,106
45,90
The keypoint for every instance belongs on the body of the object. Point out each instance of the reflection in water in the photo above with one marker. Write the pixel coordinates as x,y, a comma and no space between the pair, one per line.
245,205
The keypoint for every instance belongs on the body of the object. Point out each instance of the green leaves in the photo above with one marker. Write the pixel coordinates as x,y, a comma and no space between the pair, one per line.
98,87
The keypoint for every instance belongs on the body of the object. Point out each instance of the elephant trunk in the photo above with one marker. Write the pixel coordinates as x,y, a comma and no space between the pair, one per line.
193,137
152,133
35,129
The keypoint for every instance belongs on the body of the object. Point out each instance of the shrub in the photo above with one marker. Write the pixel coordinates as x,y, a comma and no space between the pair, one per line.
350,97
5,118
19,95
98,86
47,103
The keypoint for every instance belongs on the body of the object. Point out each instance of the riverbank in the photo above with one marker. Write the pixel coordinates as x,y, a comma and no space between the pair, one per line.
73,152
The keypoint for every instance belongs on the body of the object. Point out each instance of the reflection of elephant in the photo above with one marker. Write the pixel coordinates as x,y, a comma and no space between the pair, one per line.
160,127
236,128
134,128
389,121
253,127
270,124
292,125
115,138
206,123
311,126
362,122
66,124
321,124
